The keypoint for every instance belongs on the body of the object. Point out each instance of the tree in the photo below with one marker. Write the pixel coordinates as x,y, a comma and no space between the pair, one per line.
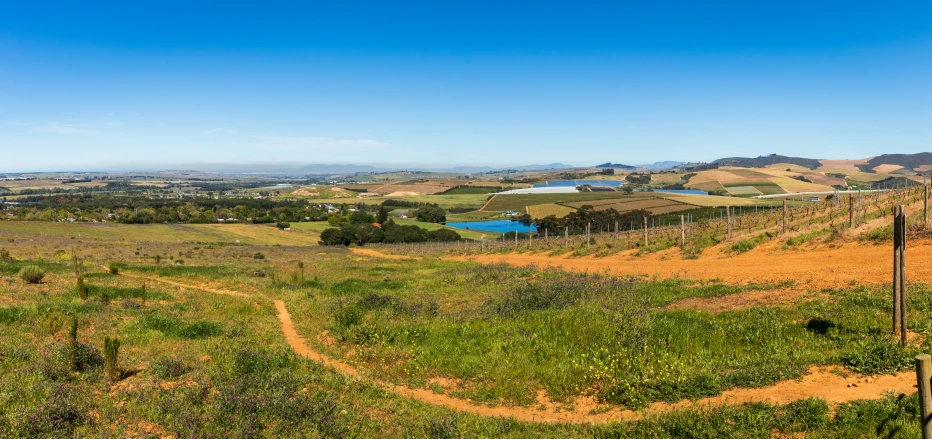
362,234
431,214
360,217
333,236
525,219
444,235
382,215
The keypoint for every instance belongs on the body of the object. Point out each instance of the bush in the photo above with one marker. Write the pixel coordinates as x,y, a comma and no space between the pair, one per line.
878,355
258,255
167,368
444,235
82,288
349,315
112,358
5,255
333,237
113,269
32,274
282,225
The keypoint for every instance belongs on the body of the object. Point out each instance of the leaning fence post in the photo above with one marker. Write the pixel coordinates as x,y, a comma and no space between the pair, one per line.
896,270
923,375
902,276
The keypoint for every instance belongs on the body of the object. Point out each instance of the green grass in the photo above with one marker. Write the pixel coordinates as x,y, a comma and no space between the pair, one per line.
203,365
519,202
746,245
472,191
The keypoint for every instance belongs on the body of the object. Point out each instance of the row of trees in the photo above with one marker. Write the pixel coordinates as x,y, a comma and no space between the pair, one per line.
598,219
388,232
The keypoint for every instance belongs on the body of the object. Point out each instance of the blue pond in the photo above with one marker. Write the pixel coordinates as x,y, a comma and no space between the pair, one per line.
574,183
499,226
682,191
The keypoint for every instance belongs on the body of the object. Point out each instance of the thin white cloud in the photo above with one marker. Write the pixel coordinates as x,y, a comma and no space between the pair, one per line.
67,129
75,128
222,130
320,143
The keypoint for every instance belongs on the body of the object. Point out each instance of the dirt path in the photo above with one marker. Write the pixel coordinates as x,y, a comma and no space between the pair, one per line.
811,268
743,300
820,383
375,254
178,284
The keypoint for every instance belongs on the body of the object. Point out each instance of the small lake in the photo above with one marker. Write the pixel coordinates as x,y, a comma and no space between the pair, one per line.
498,226
682,191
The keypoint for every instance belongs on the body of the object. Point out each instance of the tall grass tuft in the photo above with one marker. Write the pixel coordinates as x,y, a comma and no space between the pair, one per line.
112,358
82,288
32,274
113,268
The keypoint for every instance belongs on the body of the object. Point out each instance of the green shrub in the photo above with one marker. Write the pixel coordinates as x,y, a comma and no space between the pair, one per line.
167,368
878,355
349,315
174,327
258,255
10,314
5,255
82,288
32,274
113,269
112,358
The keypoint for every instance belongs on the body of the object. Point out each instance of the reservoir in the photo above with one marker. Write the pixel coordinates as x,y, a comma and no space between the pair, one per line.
498,226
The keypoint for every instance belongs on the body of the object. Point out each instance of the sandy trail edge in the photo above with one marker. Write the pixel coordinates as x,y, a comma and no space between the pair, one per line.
820,383
178,284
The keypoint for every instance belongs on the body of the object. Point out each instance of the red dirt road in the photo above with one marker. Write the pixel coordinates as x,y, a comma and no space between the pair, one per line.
812,268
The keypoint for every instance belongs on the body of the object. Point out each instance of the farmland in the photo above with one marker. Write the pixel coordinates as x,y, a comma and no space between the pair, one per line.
741,331
406,347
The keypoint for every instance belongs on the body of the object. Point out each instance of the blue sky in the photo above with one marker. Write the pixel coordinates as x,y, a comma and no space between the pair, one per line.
145,85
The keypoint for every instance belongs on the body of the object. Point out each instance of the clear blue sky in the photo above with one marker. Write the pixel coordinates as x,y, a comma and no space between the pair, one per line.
98,85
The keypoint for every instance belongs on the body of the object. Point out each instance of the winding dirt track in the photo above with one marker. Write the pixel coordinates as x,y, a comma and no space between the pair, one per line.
178,284
819,382
813,268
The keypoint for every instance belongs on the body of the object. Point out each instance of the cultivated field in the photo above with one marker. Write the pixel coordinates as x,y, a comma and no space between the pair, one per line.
244,330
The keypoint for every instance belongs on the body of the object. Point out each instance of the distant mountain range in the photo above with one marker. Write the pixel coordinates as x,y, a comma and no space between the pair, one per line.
656,165
350,168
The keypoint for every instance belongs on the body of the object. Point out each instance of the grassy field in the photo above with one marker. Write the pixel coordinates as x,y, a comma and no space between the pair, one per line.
544,210
445,200
519,202
203,352
247,234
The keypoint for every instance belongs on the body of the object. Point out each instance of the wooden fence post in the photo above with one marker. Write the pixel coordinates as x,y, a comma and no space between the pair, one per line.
784,215
615,239
566,237
728,223
683,231
850,211
530,238
588,228
923,376
898,312
902,276
516,240
925,201
645,231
